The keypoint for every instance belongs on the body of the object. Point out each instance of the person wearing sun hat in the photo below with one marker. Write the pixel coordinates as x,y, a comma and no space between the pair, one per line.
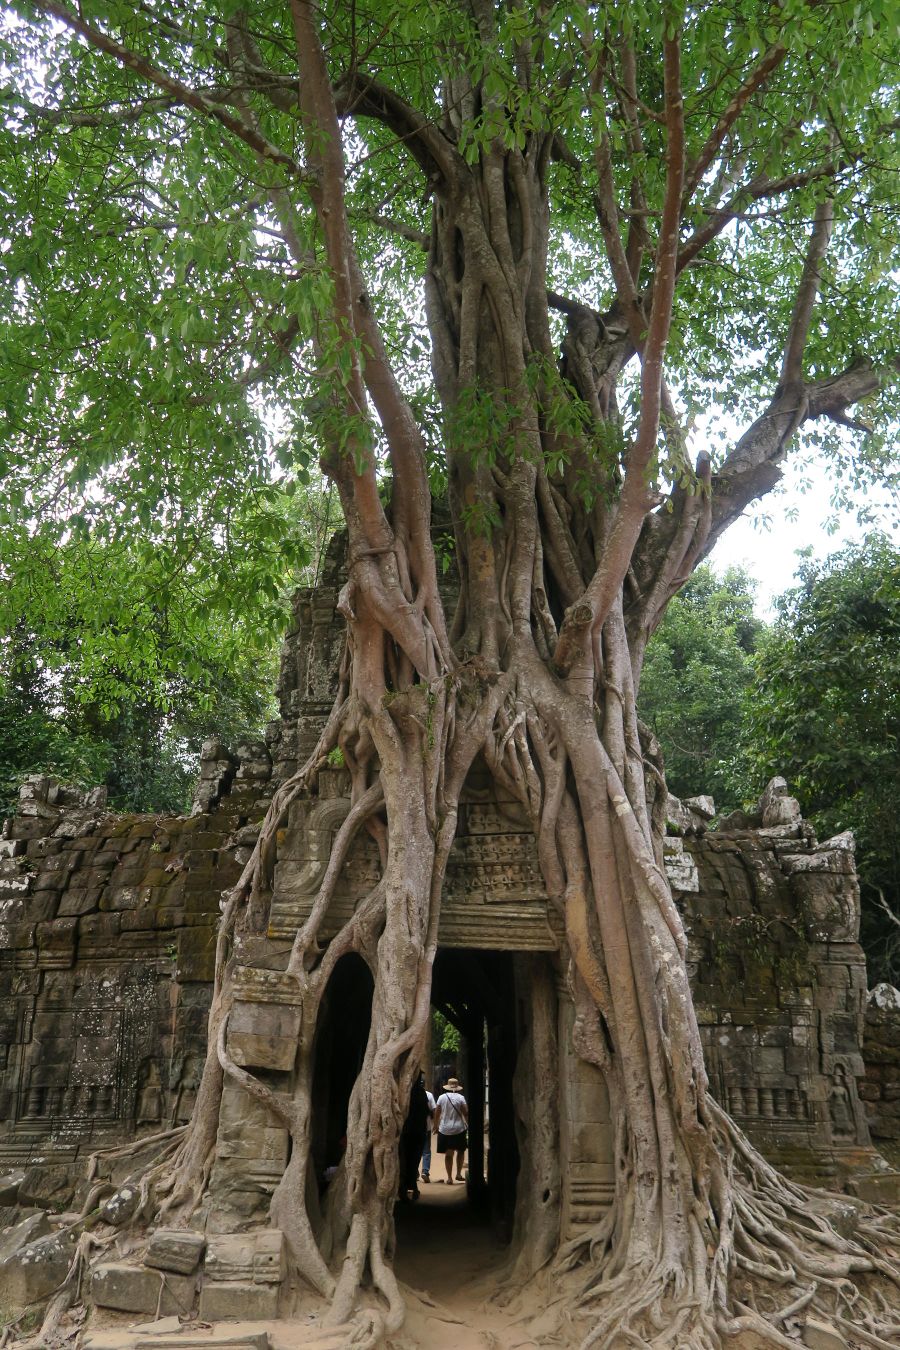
451,1121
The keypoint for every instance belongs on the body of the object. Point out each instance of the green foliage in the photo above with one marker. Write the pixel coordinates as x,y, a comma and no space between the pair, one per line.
446,1035
144,748
825,712
697,673
168,365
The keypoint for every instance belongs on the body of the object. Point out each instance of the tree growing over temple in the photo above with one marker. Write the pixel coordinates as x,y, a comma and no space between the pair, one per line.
590,271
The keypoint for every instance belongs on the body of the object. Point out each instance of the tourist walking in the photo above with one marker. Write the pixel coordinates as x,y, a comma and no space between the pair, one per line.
451,1121
426,1146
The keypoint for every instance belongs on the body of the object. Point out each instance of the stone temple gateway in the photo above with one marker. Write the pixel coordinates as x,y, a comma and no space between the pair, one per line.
107,930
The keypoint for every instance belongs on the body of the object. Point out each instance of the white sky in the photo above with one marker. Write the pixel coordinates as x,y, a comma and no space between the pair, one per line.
768,549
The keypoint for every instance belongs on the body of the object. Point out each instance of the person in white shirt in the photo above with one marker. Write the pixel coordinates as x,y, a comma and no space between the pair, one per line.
426,1147
451,1121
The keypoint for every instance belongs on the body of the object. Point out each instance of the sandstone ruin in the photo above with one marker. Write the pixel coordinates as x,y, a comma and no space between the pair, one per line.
106,952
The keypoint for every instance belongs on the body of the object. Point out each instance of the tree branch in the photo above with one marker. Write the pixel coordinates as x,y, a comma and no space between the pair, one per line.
634,500
752,468
357,480
807,291
73,117
637,228
761,187
359,95
398,227
182,93
605,199
757,78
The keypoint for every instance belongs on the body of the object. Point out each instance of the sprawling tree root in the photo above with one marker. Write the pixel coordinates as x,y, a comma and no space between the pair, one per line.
766,1253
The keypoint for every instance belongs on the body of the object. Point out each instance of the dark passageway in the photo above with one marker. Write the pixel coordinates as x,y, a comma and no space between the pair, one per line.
476,992
340,1049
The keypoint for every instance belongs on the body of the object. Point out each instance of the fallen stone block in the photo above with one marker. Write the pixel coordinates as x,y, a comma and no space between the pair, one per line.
119,1207
161,1326
19,1235
137,1289
48,1186
37,1270
819,1335
238,1300
878,1188
175,1249
9,1186
253,1340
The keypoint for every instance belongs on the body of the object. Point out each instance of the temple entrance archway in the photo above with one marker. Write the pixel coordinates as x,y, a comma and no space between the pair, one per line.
487,996
338,1055
475,990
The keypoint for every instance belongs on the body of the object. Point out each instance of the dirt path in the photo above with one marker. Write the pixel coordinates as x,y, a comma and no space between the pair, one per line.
451,1264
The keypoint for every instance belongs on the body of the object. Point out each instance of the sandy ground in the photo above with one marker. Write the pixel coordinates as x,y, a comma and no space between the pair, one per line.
449,1263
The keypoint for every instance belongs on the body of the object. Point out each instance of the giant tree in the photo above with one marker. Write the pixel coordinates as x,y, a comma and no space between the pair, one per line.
614,219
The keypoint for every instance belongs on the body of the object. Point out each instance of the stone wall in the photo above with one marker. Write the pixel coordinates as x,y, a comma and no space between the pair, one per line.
779,981
107,929
880,1087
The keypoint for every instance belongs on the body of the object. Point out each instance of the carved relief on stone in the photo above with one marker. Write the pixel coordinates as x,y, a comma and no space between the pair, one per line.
150,1103
307,847
840,1109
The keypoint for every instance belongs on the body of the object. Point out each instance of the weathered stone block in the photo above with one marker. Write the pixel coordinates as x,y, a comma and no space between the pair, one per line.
247,1340
240,1257
75,901
9,1186
46,1186
264,1035
18,1235
819,1335
196,953
176,1250
16,936
591,1142
34,1271
238,1301
137,1289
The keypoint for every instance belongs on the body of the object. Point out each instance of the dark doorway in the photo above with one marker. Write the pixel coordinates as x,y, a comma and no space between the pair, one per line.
475,991
340,1047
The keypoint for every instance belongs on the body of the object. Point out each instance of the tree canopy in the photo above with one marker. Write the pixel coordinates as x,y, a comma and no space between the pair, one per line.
160,384
698,674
